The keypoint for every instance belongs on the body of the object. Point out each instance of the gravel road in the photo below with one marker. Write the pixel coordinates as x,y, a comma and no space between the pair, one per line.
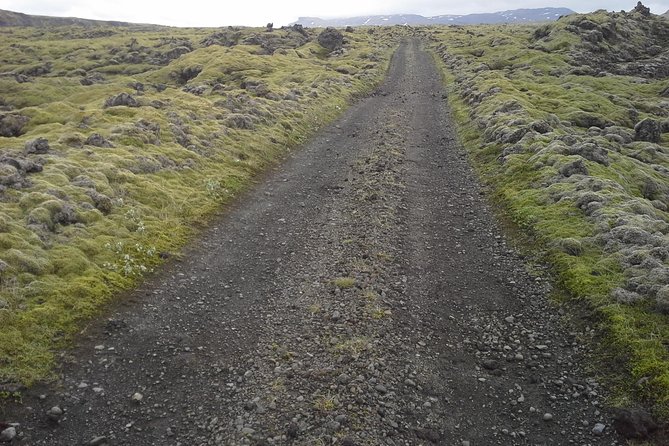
361,294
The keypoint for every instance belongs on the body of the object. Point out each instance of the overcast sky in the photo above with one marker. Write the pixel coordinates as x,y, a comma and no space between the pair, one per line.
282,12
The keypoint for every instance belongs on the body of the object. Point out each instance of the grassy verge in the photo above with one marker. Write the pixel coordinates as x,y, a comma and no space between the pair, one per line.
121,186
556,142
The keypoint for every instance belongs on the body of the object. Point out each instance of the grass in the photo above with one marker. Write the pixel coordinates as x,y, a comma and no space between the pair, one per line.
535,83
96,220
325,403
344,282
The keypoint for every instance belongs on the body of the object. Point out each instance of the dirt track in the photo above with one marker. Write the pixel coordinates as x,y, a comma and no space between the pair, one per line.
362,294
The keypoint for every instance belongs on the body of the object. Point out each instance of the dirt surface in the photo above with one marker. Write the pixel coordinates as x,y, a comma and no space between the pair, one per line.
363,294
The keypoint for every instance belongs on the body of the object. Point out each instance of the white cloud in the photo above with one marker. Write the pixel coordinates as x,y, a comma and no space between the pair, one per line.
259,12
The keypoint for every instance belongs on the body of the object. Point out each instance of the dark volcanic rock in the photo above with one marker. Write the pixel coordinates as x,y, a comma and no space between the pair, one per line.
9,175
577,167
122,99
634,423
98,140
331,39
12,124
183,75
38,146
648,130
641,9
92,78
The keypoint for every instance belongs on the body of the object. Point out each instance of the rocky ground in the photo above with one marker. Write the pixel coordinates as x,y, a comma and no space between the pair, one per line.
362,294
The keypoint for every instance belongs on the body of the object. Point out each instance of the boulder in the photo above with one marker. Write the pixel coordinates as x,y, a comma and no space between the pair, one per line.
239,121
648,130
9,175
102,202
183,75
634,423
641,9
331,39
586,120
98,140
300,30
38,146
122,99
577,167
11,124
91,79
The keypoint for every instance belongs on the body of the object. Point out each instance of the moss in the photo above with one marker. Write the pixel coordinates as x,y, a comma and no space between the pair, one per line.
25,262
40,216
174,163
569,215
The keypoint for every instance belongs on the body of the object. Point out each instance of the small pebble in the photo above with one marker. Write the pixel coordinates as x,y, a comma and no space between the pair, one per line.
97,441
598,429
54,413
8,434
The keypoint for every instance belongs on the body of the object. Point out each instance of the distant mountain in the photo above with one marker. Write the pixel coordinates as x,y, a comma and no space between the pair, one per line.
10,18
513,16
666,15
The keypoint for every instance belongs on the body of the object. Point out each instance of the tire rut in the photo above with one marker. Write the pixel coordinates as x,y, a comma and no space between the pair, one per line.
361,295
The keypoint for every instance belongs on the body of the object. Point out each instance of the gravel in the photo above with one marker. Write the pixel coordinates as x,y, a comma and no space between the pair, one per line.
443,338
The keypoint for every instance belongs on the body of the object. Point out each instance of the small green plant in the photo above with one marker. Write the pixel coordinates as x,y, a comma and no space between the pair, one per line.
325,403
130,262
136,222
344,282
215,189
16,397
378,312
354,346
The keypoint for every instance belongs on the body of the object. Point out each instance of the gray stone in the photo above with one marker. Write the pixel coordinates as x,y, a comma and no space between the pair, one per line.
98,140
37,146
331,39
97,441
648,130
54,413
624,296
12,124
598,429
8,434
343,378
122,99
634,423
9,175
576,167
